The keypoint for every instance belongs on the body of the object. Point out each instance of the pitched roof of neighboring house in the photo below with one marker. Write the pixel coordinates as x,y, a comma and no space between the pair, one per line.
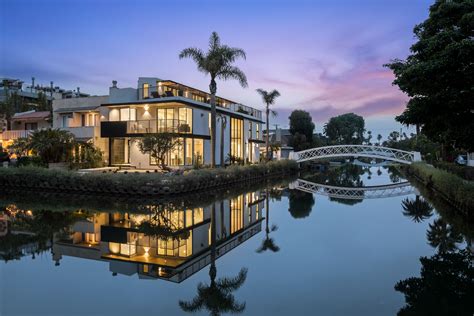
31,116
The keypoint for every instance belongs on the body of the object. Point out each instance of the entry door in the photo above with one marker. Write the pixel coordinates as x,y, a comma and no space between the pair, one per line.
118,151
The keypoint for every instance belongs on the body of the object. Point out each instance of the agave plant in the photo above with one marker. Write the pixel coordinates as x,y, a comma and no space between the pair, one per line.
417,209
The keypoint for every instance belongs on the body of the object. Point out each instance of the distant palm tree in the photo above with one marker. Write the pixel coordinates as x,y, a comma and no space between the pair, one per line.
268,243
216,62
216,297
443,236
269,99
417,209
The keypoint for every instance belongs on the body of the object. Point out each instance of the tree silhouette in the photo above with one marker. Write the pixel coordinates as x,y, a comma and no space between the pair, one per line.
216,297
268,243
445,286
443,236
418,209
300,204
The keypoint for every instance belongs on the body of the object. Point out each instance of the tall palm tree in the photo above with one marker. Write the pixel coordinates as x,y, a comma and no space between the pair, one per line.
269,99
417,209
268,243
223,119
216,297
443,236
218,63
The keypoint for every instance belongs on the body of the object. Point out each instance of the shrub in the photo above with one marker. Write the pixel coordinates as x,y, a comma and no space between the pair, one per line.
464,172
454,188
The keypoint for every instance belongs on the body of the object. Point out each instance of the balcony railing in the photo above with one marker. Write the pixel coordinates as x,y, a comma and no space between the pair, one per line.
12,135
152,93
158,126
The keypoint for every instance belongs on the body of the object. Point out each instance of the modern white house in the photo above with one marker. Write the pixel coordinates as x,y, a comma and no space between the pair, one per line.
157,105
115,122
119,239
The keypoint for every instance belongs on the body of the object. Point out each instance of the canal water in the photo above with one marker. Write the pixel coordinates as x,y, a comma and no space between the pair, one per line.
332,243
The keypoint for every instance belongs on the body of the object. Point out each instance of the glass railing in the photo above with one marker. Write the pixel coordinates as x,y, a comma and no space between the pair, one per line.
154,92
158,126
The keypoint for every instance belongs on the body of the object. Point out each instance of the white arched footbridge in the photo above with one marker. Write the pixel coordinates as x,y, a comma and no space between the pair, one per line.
341,151
355,193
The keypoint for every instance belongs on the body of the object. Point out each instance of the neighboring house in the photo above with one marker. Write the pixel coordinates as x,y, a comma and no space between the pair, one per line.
281,137
116,238
81,117
167,106
22,124
9,86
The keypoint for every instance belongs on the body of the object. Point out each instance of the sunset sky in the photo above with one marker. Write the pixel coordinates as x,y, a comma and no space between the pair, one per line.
324,56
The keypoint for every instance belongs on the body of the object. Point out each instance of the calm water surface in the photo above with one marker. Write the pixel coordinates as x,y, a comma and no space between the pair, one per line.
277,251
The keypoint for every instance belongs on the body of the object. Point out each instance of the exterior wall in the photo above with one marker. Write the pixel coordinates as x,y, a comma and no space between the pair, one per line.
117,95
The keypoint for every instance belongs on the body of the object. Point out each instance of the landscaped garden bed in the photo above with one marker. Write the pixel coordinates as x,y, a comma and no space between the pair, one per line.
141,184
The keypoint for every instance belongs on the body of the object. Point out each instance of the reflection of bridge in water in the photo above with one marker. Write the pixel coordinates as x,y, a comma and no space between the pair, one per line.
356,193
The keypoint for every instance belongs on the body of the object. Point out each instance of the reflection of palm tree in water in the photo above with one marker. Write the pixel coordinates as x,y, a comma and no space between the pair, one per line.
217,297
443,236
268,243
418,209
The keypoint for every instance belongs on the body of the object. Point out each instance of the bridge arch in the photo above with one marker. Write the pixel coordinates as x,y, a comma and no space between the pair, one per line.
354,193
341,151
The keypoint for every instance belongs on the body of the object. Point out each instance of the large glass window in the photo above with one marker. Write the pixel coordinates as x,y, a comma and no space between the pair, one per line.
146,90
128,114
236,214
188,160
175,120
198,153
236,138
176,247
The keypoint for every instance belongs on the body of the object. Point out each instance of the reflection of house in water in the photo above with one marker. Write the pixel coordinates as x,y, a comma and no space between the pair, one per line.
170,245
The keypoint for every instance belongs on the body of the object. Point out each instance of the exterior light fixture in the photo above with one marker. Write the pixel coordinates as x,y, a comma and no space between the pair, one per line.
146,251
146,107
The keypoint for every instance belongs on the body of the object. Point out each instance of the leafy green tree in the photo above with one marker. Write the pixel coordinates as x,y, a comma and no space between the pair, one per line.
52,145
269,99
300,204
438,75
42,103
217,62
157,145
301,129
445,286
345,129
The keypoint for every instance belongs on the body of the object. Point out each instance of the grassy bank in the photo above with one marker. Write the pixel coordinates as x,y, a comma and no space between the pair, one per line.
141,184
465,172
452,188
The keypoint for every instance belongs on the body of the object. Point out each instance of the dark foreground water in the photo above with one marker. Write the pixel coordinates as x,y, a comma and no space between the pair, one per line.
271,251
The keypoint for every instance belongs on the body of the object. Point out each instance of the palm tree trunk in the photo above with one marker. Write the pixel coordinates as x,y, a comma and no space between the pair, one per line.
223,126
213,269
267,206
213,90
267,136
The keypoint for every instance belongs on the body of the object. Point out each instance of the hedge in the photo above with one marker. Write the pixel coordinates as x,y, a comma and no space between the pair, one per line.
464,172
140,184
456,190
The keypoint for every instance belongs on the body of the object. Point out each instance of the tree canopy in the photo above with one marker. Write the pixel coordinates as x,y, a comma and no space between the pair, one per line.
438,75
345,129
301,129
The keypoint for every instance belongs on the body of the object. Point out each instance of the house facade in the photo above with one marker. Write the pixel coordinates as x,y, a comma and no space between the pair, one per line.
23,124
156,106
120,240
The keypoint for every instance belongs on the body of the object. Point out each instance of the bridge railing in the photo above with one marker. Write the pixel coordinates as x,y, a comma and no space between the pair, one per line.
340,151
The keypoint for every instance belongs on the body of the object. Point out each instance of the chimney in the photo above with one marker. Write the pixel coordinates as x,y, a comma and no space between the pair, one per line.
32,83
114,84
78,92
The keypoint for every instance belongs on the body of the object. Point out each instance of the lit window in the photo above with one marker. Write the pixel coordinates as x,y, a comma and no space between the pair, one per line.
146,90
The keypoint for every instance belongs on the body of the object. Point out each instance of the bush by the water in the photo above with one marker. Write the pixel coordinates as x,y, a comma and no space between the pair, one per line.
140,183
458,190
464,172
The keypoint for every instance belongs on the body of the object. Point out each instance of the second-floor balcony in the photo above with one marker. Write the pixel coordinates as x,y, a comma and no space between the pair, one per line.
83,131
15,134
126,128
